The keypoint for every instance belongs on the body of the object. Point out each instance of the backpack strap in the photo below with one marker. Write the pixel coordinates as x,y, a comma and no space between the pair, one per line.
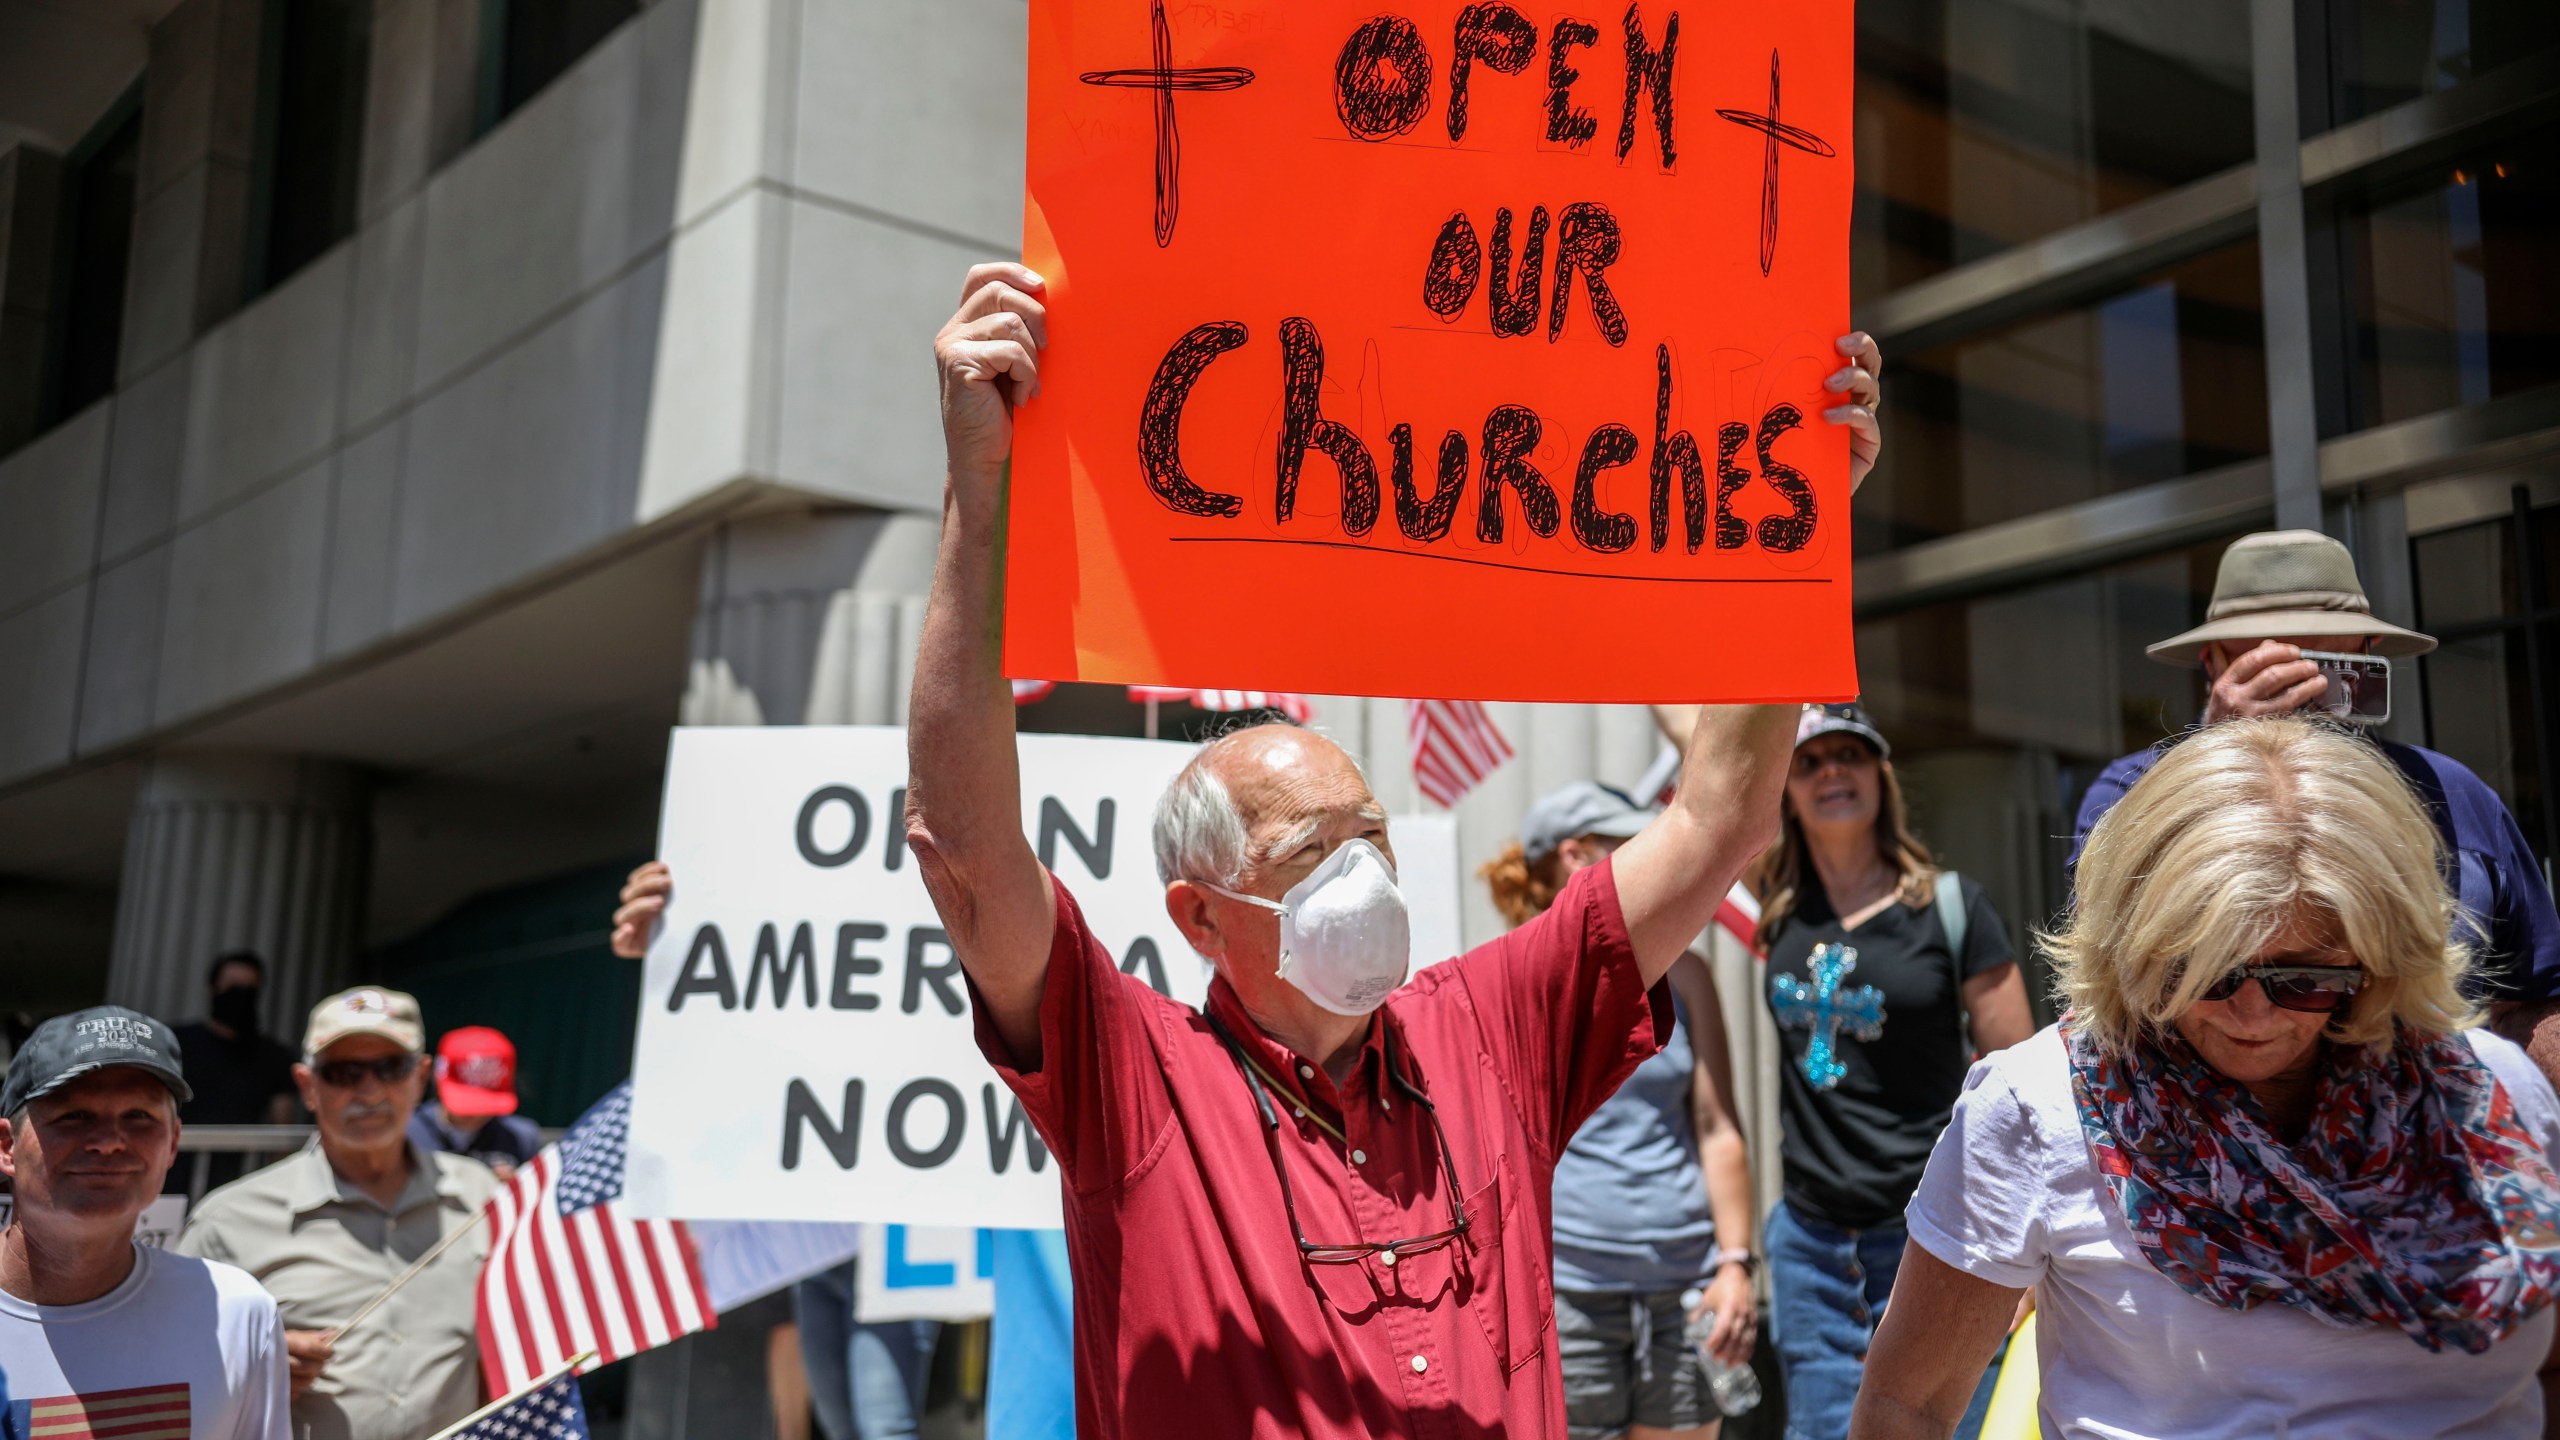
1952,922
1951,916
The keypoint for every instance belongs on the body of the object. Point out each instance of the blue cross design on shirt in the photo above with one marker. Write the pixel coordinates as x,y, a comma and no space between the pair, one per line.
1825,1009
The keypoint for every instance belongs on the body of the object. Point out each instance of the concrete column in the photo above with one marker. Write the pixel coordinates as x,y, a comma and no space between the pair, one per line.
810,619
241,851
199,151
30,220
2284,278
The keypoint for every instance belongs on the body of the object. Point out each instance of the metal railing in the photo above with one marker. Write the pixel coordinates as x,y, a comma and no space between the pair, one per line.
262,1145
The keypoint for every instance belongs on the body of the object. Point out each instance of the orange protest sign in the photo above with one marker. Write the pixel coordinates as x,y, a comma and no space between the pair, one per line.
1423,348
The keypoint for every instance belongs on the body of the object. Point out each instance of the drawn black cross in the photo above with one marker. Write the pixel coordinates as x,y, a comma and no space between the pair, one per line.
1779,133
1163,79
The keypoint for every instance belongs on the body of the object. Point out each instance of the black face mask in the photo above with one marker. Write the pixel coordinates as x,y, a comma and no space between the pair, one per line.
237,1009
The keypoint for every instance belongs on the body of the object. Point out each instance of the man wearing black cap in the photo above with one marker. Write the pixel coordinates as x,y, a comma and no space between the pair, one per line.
100,1335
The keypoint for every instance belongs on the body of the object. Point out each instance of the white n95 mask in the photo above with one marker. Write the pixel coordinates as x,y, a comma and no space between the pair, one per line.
1345,940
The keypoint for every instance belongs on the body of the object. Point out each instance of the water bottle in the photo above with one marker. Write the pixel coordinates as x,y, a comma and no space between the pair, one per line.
1736,1389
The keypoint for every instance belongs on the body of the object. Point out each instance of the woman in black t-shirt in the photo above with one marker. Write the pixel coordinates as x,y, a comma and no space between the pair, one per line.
1878,964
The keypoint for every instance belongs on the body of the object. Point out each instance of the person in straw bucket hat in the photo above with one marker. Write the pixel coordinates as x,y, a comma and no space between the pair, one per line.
2281,593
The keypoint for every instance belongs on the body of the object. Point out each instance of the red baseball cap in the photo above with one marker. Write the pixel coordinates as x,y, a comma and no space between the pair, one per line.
476,1072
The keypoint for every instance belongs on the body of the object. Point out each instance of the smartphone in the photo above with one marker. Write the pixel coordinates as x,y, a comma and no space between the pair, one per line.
2359,686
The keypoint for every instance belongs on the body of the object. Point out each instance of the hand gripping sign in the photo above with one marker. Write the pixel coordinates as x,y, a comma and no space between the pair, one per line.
1418,347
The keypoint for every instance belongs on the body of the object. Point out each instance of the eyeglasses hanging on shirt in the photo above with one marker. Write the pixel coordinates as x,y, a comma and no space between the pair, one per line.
1388,1251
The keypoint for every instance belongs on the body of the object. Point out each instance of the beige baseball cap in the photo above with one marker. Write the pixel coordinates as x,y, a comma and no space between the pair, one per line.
365,1010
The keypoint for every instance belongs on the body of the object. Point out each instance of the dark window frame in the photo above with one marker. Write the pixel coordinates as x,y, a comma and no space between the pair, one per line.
266,270
73,256
498,90
2534,622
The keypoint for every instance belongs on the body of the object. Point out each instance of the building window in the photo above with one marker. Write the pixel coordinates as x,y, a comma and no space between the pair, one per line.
310,134
2452,295
526,44
1983,124
2490,594
2386,52
2162,379
2002,708
97,192
2058,668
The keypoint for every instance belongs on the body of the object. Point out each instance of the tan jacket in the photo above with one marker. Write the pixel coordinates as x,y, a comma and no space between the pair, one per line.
323,1248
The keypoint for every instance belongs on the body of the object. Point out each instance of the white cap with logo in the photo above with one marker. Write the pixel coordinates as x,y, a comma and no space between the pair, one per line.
365,1010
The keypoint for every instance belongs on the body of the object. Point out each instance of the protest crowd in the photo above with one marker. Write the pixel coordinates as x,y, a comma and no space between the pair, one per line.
2283,1164
2268,1169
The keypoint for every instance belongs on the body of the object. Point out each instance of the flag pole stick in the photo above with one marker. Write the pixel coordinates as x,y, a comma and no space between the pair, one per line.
485,1411
412,1273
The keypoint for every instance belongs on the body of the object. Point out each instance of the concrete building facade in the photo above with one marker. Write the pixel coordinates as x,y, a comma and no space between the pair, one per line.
384,579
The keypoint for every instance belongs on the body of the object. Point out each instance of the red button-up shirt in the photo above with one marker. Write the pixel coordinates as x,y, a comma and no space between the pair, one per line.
1195,1315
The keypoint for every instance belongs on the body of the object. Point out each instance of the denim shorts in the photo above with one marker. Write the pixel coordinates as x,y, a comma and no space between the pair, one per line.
1626,1363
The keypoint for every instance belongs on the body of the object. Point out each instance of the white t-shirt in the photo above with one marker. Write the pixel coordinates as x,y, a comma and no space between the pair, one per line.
191,1344
2011,1195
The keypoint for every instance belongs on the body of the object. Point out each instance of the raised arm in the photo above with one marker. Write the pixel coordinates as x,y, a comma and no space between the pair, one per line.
964,788
1734,759
1672,877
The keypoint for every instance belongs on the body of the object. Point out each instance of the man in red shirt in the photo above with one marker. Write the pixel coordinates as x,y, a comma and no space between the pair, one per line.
1321,1207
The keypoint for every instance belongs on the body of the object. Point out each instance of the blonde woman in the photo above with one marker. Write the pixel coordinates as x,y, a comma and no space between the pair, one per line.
2263,1176
1885,975
1652,1197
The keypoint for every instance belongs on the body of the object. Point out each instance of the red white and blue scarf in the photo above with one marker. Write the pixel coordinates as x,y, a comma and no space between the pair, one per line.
2415,1199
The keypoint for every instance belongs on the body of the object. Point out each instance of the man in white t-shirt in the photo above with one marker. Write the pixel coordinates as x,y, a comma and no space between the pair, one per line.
100,1335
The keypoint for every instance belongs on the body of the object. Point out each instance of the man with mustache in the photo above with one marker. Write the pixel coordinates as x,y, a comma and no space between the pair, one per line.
326,1230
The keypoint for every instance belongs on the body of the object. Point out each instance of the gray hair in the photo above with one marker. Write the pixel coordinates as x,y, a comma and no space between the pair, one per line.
1199,833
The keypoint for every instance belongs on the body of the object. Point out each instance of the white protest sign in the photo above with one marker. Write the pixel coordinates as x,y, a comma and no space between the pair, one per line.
805,1049
925,1272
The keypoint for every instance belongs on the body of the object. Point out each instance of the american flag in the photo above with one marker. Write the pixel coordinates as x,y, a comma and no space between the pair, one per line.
147,1412
1455,745
1740,917
567,1275
551,1410
1294,706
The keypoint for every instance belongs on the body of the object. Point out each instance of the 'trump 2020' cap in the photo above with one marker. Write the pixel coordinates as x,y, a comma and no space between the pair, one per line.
67,1047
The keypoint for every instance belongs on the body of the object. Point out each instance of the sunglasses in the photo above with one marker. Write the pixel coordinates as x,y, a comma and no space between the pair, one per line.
348,1074
2315,989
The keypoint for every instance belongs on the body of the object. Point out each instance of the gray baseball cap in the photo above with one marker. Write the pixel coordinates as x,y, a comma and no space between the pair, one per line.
1840,720
1582,808
67,1047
